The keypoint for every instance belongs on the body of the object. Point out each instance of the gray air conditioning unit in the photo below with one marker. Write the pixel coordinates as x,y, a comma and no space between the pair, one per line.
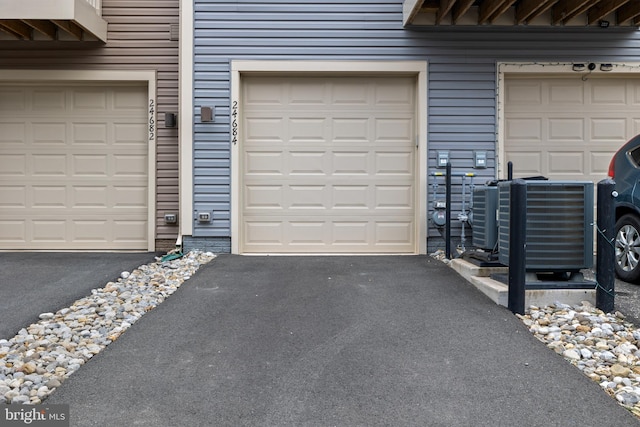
485,224
559,225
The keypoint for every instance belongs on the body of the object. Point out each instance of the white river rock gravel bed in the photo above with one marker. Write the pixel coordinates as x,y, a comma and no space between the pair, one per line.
41,356
603,346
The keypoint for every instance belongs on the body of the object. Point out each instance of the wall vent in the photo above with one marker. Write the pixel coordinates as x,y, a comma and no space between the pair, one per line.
174,32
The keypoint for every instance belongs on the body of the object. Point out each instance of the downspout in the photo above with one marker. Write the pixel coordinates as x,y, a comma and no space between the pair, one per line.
185,111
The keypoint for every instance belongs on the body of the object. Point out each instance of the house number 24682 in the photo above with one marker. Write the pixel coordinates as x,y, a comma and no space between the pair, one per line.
234,122
152,122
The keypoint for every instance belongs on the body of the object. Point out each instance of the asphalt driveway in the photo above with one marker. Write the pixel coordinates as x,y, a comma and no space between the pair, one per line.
38,282
332,341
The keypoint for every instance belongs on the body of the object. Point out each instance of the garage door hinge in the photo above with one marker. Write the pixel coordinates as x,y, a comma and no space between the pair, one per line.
417,142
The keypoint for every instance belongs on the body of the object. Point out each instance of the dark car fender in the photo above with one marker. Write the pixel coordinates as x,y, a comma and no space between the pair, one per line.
625,207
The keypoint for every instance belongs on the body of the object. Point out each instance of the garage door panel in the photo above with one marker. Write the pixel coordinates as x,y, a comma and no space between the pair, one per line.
12,231
394,131
350,129
49,100
49,196
600,162
393,233
609,129
394,197
263,93
302,92
394,93
307,197
48,165
260,233
129,134
49,231
129,230
263,197
575,130
81,166
307,129
394,163
342,173
263,163
350,232
14,196
566,163
130,197
566,93
88,99
89,133
523,129
89,231
349,93
307,163
350,162
523,93
13,135
13,165
13,100
608,92
89,196
264,128
47,134
125,99
566,129
307,233
89,165
350,197
129,165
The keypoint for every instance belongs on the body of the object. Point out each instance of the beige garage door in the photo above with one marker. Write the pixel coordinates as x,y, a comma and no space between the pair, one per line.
328,165
73,167
567,129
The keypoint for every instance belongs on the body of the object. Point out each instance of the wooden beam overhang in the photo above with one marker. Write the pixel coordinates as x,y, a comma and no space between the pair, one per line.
53,20
18,29
47,28
603,9
629,12
522,12
530,9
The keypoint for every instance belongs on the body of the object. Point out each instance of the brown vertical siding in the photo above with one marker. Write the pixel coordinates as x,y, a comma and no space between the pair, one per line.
138,39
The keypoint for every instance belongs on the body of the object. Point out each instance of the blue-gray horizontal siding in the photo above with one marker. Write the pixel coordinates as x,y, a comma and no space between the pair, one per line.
461,73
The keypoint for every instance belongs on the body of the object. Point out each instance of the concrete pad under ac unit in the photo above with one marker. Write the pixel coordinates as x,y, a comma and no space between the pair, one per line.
480,277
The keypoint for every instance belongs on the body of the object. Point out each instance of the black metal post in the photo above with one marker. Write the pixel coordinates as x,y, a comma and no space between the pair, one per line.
517,245
509,170
447,226
605,258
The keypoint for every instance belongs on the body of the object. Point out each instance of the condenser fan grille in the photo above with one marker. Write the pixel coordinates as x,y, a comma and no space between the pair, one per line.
559,225
485,228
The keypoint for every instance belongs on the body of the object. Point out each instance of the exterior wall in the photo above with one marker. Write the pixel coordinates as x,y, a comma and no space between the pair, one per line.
462,75
138,39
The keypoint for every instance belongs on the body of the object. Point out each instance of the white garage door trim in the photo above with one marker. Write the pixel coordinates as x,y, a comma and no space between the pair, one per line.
544,70
332,68
106,77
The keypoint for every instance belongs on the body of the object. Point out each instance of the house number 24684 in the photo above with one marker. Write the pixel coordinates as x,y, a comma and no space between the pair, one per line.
234,122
